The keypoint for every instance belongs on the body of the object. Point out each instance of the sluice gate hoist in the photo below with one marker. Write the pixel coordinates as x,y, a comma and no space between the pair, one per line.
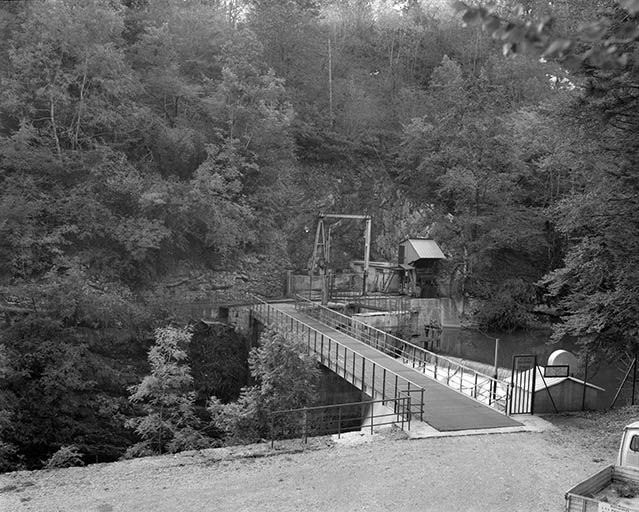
322,250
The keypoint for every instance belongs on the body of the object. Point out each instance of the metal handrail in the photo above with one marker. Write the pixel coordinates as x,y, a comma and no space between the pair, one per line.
307,425
482,387
344,362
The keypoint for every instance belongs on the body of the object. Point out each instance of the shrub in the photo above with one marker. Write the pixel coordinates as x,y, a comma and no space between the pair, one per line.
286,378
65,457
509,307
170,423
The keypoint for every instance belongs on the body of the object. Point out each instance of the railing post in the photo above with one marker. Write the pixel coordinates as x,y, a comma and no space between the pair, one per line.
475,389
363,369
345,360
373,382
305,425
372,416
384,384
353,374
396,394
461,379
490,392
339,423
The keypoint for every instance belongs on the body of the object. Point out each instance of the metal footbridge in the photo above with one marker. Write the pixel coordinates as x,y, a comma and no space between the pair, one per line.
446,395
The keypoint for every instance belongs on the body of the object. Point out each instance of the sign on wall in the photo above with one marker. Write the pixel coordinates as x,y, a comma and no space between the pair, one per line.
556,370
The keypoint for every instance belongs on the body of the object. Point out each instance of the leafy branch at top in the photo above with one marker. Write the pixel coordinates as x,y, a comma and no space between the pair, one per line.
602,43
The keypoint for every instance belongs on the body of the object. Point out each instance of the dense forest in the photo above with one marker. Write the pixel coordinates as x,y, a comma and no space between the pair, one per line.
154,153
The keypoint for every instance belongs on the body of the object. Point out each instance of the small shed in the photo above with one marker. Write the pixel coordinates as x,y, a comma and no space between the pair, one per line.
412,250
561,394
418,259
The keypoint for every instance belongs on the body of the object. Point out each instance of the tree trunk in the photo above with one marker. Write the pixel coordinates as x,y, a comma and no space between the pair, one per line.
54,127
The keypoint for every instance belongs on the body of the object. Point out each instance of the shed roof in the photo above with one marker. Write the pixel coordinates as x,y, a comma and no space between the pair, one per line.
542,383
421,248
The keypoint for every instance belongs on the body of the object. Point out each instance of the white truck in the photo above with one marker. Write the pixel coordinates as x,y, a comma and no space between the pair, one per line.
616,487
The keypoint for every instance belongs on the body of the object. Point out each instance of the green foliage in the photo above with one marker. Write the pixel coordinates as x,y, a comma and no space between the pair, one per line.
8,450
218,359
592,185
605,39
65,457
57,390
70,89
170,138
460,159
8,454
170,423
508,307
286,378
596,288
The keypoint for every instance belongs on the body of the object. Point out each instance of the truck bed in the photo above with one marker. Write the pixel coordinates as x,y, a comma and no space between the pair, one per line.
613,489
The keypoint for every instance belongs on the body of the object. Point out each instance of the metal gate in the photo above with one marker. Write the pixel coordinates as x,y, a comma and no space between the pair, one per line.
523,384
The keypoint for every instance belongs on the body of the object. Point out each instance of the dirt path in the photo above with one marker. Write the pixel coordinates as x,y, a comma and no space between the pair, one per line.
497,472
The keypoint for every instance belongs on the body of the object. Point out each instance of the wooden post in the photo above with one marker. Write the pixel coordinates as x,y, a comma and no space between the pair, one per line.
272,432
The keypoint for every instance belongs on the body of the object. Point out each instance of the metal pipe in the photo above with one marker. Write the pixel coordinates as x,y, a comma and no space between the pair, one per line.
343,216
367,252
634,380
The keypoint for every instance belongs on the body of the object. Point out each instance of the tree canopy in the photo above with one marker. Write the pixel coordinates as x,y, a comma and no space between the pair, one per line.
153,153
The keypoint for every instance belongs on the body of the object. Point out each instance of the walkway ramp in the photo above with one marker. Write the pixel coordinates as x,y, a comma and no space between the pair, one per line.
379,374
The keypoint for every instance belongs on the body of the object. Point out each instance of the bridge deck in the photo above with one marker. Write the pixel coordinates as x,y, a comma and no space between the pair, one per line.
444,408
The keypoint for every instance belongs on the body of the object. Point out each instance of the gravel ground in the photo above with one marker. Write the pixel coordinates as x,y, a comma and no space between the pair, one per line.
527,471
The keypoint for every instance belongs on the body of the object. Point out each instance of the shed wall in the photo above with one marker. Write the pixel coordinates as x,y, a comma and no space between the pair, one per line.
567,396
